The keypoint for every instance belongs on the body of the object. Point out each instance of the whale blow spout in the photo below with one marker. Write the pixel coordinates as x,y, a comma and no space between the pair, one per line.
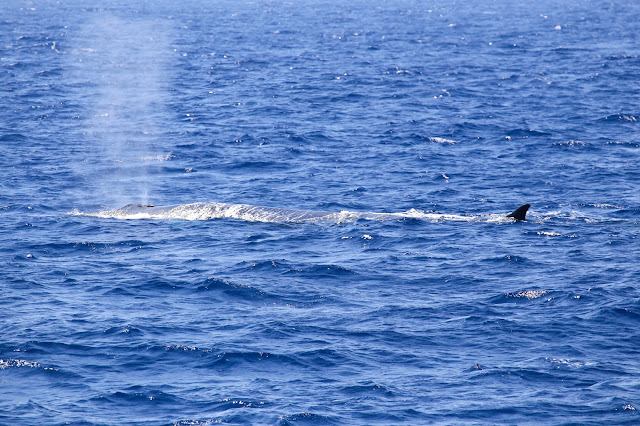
520,213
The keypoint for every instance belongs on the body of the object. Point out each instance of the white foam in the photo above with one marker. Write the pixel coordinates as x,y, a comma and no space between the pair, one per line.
549,233
207,211
8,363
529,294
570,362
442,140
165,157
606,206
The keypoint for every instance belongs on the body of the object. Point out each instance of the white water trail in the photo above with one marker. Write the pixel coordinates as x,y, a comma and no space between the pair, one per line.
247,212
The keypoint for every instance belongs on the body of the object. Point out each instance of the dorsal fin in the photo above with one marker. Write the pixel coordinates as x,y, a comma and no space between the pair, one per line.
520,213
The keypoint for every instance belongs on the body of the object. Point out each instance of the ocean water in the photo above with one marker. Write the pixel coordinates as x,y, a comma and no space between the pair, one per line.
328,242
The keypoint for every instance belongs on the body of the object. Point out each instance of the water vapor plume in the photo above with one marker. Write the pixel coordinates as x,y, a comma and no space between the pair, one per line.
124,67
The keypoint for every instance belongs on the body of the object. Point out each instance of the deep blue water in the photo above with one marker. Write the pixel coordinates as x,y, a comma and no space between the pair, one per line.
446,115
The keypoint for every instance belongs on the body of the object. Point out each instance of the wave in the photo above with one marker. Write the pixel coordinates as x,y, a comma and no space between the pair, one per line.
247,212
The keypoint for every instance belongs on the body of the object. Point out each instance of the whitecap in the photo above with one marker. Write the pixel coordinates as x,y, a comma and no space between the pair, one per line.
549,233
442,140
529,294
570,362
165,157
606,206
8,363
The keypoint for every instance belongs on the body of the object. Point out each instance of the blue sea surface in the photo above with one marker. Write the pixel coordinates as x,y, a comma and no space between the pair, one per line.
328,242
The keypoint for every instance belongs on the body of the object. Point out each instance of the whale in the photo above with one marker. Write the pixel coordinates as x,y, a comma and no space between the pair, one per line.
252,213
520,213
